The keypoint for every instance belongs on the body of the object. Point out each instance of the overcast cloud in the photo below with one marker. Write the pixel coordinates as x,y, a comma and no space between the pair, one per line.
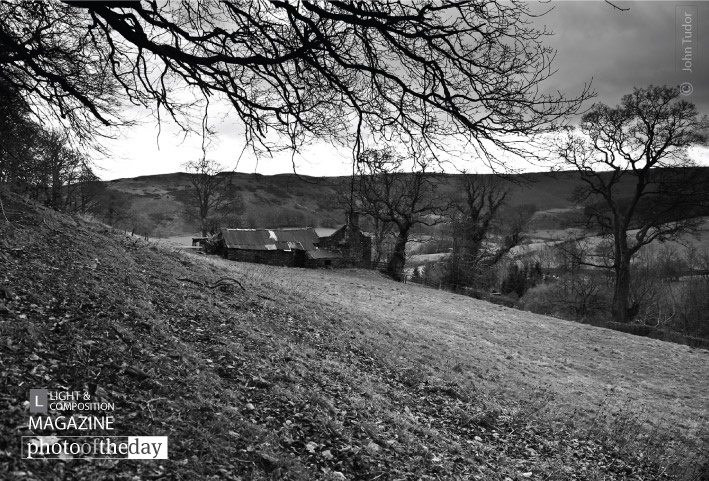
616,50
619,50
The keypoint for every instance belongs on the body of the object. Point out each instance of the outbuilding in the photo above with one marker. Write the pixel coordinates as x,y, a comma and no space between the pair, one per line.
296,247
292,247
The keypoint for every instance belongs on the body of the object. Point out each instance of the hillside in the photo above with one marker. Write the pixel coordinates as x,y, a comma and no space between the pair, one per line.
308,200
313,201
266,373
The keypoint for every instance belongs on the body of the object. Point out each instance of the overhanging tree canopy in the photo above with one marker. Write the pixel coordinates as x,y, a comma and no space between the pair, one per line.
415,71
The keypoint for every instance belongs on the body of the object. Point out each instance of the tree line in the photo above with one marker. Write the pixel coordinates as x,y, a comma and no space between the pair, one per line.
41,162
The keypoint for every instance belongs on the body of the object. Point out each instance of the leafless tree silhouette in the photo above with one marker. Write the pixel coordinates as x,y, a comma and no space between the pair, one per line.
482,233
643,142
51,57
387,191
214,199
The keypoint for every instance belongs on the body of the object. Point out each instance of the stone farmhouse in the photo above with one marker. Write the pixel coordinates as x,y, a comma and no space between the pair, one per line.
348,246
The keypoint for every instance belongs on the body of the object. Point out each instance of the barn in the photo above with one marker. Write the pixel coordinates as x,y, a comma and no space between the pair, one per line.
295,247
353,245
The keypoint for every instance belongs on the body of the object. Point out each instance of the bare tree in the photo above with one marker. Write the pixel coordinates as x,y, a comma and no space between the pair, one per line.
481,235
381,230
342,70
18,136
638,178
57,165
391,194
86,192
41,162
213,194
60,66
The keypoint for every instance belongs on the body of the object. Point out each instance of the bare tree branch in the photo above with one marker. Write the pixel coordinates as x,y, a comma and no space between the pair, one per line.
354,73
392,195
612,4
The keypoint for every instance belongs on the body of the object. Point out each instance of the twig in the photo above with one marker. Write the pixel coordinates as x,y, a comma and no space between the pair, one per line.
616,6
121,336
156,399
186,279
221,282
153,400
3,210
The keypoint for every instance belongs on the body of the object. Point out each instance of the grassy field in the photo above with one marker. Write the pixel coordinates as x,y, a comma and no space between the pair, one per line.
258,373
512,352
539,239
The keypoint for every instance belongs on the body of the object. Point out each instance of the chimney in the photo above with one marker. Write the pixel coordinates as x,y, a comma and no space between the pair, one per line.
353,220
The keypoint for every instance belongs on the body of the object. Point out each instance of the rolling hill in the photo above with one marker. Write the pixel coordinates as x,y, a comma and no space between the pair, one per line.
164,198
313,200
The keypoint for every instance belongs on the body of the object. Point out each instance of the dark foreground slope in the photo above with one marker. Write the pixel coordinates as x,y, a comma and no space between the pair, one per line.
246,383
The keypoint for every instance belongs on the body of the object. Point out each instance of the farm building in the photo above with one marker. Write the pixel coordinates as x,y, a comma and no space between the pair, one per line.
295,247
350,242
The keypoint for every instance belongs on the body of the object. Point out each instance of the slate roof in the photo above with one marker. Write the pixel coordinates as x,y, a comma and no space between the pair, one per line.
304,239
270,239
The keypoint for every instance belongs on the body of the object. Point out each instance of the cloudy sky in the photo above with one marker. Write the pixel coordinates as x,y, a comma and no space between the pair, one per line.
615,50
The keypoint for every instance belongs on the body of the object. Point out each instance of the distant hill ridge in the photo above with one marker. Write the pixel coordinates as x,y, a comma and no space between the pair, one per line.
305,200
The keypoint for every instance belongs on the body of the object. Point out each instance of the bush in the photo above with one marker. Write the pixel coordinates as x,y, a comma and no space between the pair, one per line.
574,297
544,299
693,307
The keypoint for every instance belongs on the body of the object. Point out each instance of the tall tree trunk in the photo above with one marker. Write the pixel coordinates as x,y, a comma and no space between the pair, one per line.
56,189
378,245
398,257
621,293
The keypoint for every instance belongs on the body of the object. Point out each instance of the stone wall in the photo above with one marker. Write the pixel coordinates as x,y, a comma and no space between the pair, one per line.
355,247
272,258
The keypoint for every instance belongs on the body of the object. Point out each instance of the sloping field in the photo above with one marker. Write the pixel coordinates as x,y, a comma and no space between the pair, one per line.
258,373
514,352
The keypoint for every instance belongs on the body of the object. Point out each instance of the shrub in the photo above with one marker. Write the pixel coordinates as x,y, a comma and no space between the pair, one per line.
544,299
573,296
